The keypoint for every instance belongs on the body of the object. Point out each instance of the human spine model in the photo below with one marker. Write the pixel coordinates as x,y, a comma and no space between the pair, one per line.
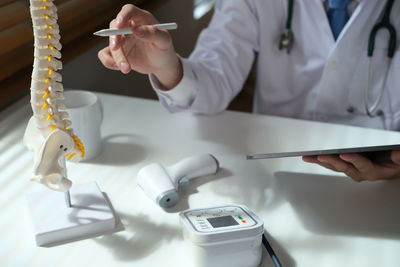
48,133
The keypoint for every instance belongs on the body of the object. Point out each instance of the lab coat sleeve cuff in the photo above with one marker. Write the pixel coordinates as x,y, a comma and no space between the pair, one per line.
182,95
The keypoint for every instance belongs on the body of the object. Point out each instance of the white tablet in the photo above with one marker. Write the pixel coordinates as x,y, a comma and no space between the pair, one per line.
367,151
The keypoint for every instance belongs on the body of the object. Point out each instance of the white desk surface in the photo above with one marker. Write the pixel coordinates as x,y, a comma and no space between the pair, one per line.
314,217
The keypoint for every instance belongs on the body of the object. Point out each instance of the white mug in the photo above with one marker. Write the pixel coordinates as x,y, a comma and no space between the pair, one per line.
86,114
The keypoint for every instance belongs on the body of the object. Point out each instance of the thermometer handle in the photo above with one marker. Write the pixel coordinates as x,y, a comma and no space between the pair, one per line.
192,167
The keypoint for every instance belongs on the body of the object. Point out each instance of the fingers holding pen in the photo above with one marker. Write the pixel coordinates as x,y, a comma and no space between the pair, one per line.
114,40
151,34
106,59
121,61
130,13
140,21
116,52
148,47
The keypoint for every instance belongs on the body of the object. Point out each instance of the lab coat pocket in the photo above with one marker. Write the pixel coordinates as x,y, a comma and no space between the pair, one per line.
393,92
392,104
390,101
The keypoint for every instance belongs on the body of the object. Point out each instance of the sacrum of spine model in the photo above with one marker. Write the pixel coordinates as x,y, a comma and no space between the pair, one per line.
48,133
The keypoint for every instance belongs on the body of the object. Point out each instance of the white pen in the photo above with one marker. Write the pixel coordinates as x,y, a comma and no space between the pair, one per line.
109,32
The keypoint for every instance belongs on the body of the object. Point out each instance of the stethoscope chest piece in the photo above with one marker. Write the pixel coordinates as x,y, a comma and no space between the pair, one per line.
286,41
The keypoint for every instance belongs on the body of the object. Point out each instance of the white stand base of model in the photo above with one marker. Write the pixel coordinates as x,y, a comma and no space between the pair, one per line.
54,223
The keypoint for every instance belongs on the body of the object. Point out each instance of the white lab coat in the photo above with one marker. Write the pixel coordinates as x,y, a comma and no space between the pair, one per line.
318,80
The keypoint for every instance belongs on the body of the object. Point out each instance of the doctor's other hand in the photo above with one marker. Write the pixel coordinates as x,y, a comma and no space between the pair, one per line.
360,168
148,50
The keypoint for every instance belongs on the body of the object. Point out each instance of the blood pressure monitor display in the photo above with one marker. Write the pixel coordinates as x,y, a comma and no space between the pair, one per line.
222,221
219,219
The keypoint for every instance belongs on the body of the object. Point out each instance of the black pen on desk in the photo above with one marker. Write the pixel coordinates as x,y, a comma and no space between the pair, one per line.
271,252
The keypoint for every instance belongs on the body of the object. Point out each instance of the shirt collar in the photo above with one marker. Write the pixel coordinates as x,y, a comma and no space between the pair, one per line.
350,8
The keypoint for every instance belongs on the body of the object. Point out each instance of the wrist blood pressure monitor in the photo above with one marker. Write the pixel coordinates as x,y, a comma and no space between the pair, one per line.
223,236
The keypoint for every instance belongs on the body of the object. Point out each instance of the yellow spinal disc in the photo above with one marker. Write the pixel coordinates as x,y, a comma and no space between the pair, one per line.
50,70
49,58
71,156
48,117
49,36
44,7
46,16
44,105
51,46
52,127
48,79
79,145
49,26
46,93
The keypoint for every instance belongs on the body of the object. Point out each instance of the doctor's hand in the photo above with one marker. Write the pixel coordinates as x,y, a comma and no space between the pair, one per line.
147,50
360,168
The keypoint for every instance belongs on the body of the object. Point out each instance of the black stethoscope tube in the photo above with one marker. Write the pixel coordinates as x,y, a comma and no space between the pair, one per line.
384,24
290,14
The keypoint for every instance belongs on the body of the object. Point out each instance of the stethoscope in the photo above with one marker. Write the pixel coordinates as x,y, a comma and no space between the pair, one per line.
287,39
